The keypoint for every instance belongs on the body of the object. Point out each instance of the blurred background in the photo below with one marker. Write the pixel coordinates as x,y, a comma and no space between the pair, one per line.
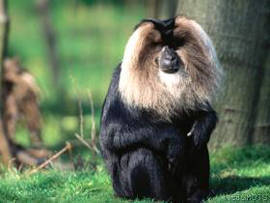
71,48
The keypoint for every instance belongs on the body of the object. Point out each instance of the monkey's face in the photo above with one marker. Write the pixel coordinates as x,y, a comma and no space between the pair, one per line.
167,65
167,60
11,69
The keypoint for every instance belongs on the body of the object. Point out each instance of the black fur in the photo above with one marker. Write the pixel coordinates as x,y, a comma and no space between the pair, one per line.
149,157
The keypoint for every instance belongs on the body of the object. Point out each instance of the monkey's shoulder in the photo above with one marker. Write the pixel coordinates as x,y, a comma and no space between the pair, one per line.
113,105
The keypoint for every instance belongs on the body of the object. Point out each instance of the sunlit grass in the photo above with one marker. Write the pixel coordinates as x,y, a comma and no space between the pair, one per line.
229,181
241,174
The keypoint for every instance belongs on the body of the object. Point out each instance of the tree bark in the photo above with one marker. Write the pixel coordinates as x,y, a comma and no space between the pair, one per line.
162,9
4,147
4,144
152,8
262,125
3,30
50,39
238,30
167,9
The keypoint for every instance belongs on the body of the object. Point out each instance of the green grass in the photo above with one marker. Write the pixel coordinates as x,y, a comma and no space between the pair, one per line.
241,174
235,174
90,41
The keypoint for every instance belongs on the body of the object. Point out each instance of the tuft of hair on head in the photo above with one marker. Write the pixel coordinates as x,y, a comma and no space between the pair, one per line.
142,84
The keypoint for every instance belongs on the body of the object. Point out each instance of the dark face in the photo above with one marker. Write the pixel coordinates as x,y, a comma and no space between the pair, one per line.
168,60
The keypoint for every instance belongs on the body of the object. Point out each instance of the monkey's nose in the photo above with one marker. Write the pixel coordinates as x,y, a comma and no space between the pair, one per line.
166,50
168,60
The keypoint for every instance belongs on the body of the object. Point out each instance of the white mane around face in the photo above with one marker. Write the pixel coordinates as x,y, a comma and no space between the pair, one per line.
142,84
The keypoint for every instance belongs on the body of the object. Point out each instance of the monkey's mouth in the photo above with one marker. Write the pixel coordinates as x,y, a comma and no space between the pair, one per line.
170,70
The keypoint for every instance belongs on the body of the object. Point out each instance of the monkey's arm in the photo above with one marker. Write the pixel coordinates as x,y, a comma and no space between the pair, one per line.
203,126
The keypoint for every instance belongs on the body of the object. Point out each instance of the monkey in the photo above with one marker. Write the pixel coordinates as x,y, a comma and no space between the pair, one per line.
157,116
21,100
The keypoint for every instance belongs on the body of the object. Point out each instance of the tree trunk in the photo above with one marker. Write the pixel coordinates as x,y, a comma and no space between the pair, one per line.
262,125
152,8
3,30
167,9
4,147
4,144
161,9
50,39
238,30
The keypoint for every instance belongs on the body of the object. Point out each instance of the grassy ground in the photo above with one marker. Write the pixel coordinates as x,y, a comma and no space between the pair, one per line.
90,41
236,174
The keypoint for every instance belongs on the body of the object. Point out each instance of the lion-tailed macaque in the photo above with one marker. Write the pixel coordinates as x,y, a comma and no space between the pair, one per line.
157,117
20,95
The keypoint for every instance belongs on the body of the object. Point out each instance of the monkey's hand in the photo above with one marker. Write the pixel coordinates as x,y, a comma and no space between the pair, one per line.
202,129
198,134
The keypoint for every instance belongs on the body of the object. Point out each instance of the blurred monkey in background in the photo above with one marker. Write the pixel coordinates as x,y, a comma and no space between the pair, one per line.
20,94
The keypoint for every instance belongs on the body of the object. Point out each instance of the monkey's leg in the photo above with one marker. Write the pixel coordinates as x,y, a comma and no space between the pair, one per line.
35,137
145,175
196,178
33,118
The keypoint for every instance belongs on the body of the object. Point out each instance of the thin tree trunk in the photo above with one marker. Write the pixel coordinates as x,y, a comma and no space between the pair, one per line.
4,147
4,144
3,30
50,38
238,30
